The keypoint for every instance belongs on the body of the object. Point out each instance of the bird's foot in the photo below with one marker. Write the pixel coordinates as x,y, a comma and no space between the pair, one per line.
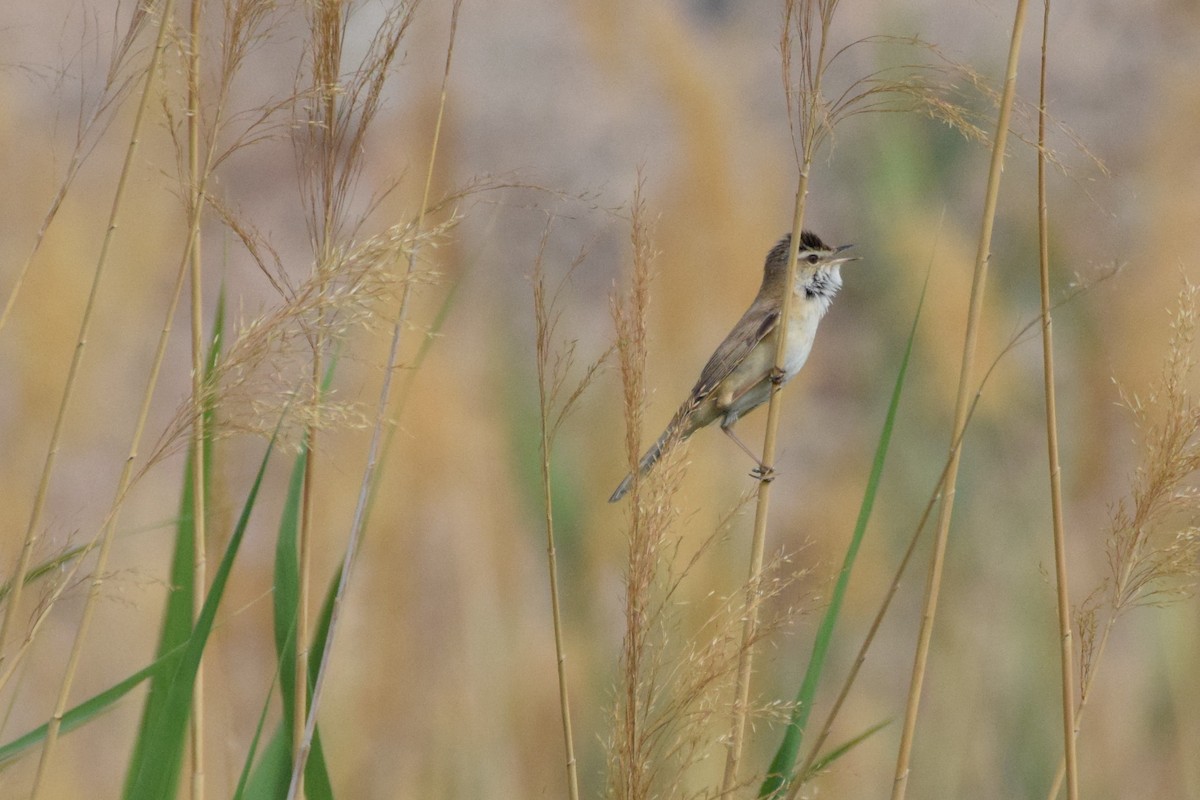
763,473
776,376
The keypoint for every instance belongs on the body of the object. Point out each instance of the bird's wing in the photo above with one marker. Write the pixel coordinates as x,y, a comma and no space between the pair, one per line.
752,328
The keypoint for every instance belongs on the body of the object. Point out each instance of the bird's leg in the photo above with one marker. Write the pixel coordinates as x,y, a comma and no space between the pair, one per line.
776,376
762,471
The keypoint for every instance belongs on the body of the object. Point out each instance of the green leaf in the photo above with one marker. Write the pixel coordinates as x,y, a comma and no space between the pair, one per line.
784,762
270,778
177,620
158,775
91,708
841,750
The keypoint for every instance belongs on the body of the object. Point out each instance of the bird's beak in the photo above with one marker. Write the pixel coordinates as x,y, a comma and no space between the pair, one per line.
844,259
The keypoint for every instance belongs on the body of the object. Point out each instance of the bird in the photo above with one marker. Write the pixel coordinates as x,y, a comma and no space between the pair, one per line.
741,373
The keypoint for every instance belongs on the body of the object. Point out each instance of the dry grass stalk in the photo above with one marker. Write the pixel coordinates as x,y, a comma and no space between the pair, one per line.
349,121
1066,647
961,407
810,123
673,686
90,128
199,518
329,154
196,177
554,364
32,532
1153,542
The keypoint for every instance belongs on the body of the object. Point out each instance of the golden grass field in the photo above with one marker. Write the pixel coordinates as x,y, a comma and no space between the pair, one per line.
443,680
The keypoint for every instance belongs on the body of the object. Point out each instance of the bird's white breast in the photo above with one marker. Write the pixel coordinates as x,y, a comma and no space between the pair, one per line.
801,331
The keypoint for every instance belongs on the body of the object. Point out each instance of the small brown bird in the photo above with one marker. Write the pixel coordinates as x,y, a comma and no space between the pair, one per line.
738,377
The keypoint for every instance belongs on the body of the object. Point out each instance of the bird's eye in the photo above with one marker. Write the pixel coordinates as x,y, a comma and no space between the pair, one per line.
813,258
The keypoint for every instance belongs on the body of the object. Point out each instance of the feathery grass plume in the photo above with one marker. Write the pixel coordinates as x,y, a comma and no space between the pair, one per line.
1153,541
266,363
332,122
674,685
650,514
674,696
942,88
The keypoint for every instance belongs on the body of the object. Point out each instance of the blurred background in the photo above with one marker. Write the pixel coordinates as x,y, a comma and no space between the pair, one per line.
443,681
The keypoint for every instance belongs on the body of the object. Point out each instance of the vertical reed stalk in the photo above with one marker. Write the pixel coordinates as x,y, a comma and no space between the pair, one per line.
812,127
549,380
197,175
327,23
1066,654
559,648
360,508
961,406
199,569
32,534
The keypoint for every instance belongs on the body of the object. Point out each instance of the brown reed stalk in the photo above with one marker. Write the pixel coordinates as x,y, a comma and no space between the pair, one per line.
813,126
239,34
1153,543
805,772
384,49
1066,646
32,532
553,367
962,403
326,34
107,532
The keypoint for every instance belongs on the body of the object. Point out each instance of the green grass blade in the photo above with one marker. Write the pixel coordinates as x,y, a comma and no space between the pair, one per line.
91,708
784,762
158,776
287,589
841,750
270,778
177,620
243,780
45,568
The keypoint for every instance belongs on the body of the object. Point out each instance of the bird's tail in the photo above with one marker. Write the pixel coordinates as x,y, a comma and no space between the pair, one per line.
648,460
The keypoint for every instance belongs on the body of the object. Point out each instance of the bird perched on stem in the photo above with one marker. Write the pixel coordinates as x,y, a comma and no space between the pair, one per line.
741,373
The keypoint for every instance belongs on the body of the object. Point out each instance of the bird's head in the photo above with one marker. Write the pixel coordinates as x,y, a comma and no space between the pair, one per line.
818,266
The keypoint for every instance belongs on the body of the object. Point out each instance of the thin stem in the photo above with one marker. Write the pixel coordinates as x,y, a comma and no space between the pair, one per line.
811,132
328,24
975,311
546,378
559,648
199,564
107,534
359,521
803,773
32,533
1066,654
114,90
1119,589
